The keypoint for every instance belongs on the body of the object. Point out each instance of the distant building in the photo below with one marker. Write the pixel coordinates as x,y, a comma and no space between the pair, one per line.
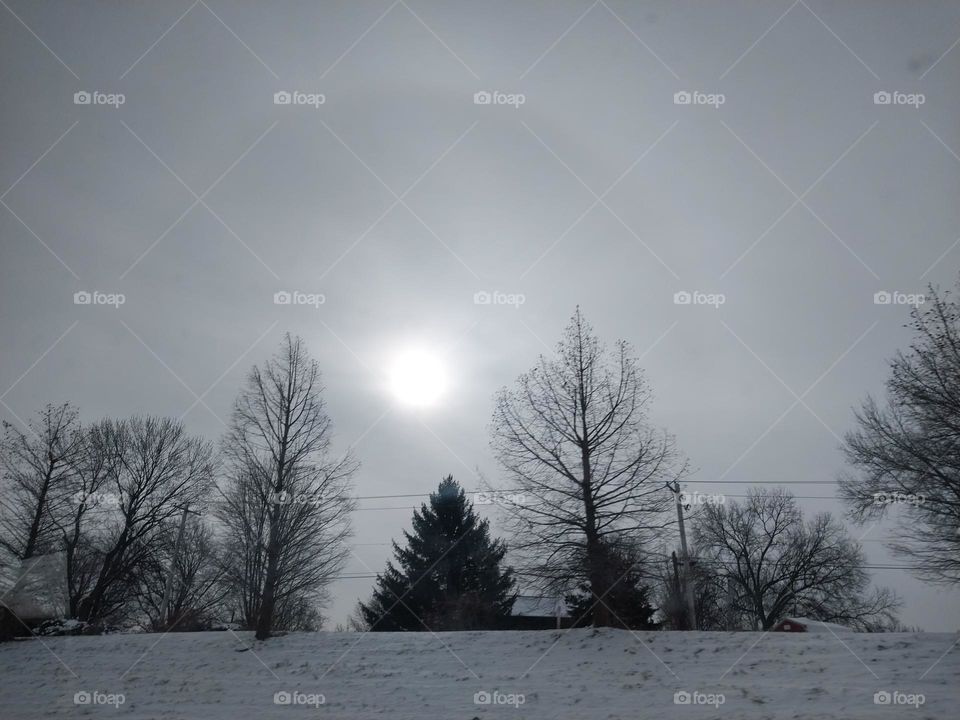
535,612
801,624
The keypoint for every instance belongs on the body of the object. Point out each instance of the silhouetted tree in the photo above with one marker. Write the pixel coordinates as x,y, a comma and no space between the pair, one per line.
906,454
449,574
575,442
286,504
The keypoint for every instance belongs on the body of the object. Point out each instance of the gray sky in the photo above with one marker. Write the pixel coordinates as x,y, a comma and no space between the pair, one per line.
399,198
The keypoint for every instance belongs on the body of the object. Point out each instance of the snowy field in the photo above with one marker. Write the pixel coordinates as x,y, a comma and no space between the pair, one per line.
562,675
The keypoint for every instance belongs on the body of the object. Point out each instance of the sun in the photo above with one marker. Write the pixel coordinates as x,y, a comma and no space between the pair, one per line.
418,377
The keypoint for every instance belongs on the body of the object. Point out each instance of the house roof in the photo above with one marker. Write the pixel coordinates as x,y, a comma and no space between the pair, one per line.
816,625
538,606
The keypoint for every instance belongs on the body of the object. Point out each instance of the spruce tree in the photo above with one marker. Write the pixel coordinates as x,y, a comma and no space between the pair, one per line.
449,575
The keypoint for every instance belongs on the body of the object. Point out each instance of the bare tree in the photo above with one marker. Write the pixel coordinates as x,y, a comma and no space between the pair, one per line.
153,468
38,477
286,504
197,590
907,454
775,564
574,440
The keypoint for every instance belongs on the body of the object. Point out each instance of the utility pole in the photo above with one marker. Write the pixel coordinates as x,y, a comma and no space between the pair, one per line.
687,565
168,587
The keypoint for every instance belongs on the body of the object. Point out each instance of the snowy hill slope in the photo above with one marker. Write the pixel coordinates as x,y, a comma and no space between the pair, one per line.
558,675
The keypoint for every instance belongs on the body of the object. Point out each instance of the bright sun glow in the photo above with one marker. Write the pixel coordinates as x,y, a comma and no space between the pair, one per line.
418,378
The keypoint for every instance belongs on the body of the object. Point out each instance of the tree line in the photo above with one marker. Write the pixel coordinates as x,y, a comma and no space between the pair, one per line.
590,517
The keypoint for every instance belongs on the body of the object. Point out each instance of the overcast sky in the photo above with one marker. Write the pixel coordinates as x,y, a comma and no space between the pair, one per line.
783,186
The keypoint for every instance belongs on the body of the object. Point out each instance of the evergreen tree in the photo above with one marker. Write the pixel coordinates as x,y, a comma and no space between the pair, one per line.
627,602
448,577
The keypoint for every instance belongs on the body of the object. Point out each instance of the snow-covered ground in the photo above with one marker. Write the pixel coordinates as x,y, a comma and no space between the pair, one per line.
558,675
